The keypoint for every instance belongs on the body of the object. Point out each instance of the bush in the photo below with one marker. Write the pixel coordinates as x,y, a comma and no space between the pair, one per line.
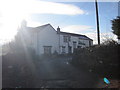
18,70
18,67
102,59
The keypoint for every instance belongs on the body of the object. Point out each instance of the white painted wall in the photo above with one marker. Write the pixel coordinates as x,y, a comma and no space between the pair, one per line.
73,38
49,37
46,37
34,41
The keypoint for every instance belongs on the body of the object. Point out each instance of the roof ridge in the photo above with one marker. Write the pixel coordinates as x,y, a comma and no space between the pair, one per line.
42,25
72,33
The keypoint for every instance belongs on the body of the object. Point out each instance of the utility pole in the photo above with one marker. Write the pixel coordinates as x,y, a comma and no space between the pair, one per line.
97,18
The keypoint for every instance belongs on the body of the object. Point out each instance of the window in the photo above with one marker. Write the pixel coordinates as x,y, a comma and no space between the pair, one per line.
79,47
47,49
81,43
65,38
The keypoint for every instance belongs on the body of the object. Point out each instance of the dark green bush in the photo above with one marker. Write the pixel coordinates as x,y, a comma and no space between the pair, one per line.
102,59
18,67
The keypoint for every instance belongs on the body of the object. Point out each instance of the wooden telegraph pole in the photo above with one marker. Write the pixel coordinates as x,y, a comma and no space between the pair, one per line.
97,18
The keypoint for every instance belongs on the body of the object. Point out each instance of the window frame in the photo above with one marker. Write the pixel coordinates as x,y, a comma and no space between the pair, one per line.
47,49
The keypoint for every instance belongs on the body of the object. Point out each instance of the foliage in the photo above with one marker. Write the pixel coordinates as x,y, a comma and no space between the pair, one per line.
116,26
101,59
17,71
109,42
18,64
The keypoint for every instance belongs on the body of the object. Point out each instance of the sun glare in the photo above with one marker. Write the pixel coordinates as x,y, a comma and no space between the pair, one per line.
12,13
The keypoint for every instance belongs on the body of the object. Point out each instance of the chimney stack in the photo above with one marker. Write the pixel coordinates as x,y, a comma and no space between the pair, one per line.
58,30
23,24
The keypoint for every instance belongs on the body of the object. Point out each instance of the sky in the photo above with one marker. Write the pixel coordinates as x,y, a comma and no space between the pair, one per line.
71,16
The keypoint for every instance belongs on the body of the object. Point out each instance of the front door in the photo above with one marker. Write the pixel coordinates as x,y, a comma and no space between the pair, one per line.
69,49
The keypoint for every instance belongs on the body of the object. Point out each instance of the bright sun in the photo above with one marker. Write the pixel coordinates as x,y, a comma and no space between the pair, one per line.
12,12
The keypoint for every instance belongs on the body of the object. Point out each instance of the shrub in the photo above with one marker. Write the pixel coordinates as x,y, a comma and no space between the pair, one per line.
18,67
102,59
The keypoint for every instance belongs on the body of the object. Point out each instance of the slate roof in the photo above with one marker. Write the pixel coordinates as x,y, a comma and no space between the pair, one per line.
78,35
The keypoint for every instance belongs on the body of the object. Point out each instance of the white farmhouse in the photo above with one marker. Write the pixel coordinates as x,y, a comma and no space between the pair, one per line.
46,40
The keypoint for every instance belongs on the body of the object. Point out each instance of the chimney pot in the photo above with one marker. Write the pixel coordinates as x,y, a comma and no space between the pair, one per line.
58,30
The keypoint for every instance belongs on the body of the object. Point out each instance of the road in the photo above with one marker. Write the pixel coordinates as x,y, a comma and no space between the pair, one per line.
59,73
